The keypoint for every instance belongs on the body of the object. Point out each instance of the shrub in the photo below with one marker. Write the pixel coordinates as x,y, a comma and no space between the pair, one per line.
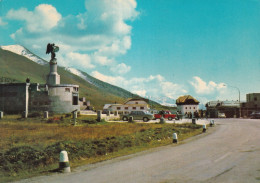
34,115
23,157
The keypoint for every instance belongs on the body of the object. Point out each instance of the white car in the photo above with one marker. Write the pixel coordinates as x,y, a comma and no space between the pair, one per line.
221,115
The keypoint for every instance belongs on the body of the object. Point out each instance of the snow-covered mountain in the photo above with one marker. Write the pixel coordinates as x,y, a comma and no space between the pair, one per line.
20,50
80,74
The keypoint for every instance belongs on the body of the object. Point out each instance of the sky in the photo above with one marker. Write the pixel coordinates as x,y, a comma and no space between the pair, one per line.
159,49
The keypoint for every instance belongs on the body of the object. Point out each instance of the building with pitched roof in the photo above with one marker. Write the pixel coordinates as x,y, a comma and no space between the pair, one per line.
134,104
187,104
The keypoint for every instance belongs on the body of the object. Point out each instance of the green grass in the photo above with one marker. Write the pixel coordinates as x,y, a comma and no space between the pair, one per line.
32,146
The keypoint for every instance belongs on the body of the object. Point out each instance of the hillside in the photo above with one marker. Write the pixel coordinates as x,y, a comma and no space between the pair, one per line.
18,68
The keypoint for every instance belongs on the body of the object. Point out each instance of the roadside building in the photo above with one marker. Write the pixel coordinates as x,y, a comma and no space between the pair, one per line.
229,108
187,104
138,104
251,105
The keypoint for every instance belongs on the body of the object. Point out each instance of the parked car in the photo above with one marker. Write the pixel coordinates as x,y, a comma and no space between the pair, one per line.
221,115
255,115
166,114
138,115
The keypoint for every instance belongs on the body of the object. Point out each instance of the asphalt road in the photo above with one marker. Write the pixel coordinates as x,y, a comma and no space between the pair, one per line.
230,153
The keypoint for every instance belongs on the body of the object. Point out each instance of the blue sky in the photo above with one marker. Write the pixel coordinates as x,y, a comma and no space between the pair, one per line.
160,49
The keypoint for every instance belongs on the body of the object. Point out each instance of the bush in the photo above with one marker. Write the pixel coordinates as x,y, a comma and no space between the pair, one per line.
34,115
23,157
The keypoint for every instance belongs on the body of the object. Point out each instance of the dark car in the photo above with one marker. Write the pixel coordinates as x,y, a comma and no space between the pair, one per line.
138,115
255,115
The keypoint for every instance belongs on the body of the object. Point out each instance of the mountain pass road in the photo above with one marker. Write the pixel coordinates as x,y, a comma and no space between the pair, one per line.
228,154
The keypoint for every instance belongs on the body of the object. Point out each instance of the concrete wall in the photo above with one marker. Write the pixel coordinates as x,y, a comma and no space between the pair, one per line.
14,97
63,98
19,97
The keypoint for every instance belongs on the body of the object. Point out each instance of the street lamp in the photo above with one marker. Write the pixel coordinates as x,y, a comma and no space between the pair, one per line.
238,97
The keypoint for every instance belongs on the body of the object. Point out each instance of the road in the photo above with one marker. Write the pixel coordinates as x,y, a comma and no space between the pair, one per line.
230,154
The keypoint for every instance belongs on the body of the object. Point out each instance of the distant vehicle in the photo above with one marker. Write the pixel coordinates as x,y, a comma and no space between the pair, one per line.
166,114
221,115
255,115
138,115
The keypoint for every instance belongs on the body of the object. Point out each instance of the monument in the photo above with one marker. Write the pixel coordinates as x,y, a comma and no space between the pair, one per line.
53,78
51,96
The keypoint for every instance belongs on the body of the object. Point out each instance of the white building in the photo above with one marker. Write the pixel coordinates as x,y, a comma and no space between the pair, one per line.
187,104
128,106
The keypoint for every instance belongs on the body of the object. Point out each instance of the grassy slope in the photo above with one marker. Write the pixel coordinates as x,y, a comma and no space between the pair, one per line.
99,93
19,68
31,147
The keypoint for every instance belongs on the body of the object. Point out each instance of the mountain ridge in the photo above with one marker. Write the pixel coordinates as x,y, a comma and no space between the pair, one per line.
19,65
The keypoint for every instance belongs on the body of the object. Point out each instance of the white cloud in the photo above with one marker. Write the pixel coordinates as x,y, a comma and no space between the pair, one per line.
101,31
79,60
141,93
109,79
156,86
43,18
121,68
201,87
2,22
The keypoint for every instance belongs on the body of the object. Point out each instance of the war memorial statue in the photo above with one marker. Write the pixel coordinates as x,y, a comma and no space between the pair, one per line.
51,48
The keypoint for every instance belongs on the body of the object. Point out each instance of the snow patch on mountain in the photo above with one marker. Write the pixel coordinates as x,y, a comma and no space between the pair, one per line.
78,73
20,50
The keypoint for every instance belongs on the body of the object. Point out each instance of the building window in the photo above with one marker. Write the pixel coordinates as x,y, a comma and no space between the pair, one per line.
126,108
190,107
185,107
136,102
67,89
141,107
134,108
255,98
118,108
193,107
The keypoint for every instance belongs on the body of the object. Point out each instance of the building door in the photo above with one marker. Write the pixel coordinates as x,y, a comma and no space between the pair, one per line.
75,99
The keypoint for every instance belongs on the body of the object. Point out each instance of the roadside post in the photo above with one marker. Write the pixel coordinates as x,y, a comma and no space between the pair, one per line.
75,115
162,120
130,119
204,128
194,121
46,114
1,114
175,138
24,114
64,165
99,113
211,123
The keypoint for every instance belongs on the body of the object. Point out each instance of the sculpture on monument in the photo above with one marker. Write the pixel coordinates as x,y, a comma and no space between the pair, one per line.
51,48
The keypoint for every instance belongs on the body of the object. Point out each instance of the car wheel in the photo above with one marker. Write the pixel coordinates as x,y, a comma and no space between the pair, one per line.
145,119
125,118
170,118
